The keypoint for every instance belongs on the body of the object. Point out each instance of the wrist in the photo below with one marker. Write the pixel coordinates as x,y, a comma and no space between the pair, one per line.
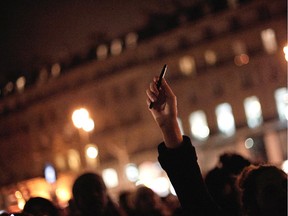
172,134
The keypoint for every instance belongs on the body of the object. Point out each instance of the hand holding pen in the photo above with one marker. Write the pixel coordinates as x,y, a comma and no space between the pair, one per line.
164,109
158,85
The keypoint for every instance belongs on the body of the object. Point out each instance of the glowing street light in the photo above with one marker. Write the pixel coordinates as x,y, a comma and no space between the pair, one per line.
81,119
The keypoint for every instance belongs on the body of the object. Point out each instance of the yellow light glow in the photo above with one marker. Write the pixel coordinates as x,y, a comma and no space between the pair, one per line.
161,186
210,57
21,203
116,47
18,195
79,117
110,177
63,194
102,52
88,125
92,152
20,83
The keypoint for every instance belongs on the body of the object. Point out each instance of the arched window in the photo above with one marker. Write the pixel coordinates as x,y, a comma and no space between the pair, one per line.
198,125
225,119
187,65
253,111
269,40
74,160
281,98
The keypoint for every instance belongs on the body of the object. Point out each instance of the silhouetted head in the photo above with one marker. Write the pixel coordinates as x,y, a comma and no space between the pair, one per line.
147,202
39,206
264,191
90,194
233,163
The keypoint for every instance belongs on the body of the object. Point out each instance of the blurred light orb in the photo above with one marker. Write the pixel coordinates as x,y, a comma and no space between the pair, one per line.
249,143
79,117
88,125
92,152
132,172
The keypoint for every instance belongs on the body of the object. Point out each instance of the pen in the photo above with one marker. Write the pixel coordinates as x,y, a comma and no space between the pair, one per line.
162,74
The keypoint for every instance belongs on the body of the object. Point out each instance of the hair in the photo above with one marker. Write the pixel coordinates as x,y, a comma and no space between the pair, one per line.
38,206
247,183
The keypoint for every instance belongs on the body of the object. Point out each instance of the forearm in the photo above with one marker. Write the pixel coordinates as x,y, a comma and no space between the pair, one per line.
171,134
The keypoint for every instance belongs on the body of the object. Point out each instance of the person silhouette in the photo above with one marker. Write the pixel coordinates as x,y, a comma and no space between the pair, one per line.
39,206
91,197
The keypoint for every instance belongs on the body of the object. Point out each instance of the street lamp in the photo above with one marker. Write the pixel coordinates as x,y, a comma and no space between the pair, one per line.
81,119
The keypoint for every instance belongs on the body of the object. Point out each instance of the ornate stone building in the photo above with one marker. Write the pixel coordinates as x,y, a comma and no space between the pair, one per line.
233,58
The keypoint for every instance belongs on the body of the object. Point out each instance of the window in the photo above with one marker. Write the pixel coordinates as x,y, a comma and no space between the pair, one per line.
225,119
116,47
281,98
187,65
253,111
198,125
210,57
102,52
74,160
240,51
269,40
131,40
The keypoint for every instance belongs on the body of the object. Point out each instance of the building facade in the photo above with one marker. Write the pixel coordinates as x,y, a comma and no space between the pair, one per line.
229,73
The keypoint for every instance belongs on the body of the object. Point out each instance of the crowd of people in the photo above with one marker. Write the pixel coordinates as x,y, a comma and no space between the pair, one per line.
235,187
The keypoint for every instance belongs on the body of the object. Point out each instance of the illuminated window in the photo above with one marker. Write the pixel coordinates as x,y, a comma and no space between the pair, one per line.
43,76
131,40
225,119
55,70
60,162
116,47
8,88
187,65
132,172
74,160
281,98
199,126
253,111
102,52
210,57
269,40
20,83
110,177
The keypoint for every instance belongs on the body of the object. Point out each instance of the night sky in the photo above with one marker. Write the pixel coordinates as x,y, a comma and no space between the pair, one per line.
38,32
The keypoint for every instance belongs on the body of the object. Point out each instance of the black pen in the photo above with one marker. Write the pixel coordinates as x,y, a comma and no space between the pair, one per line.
162,74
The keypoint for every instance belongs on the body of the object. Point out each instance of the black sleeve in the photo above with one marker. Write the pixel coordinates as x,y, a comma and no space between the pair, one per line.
184,173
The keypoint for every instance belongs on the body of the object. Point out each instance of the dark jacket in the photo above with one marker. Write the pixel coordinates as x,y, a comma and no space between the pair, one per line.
184,173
